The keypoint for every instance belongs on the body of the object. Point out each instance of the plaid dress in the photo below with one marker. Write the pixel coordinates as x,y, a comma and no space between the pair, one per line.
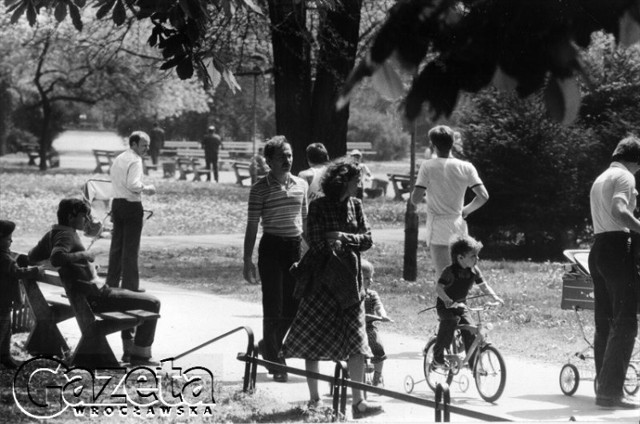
322,330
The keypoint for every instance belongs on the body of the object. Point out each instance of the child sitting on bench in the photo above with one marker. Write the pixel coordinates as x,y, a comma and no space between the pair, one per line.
10,273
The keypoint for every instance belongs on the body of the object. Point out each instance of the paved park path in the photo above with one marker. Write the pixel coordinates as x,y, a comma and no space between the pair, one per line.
191,318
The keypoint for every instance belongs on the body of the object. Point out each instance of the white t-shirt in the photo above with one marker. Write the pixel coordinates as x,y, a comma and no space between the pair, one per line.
446,181
315,186
615,182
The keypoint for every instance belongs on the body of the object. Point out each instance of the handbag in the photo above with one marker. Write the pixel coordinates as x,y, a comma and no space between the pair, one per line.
341,279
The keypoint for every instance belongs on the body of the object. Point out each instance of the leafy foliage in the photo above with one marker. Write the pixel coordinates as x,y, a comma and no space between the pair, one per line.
533,169
468,45
538,173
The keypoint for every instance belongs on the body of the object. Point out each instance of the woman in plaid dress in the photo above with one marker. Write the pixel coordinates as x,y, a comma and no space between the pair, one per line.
330,323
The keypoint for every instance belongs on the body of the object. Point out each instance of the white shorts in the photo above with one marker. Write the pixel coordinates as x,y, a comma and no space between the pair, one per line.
441,229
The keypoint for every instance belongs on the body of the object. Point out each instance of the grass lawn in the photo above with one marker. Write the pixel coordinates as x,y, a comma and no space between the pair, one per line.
530,324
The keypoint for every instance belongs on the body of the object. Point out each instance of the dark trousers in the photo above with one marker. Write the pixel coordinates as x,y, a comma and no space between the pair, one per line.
279,307
115,299
449,319
211,162
613,272
127,220
154,155
5,335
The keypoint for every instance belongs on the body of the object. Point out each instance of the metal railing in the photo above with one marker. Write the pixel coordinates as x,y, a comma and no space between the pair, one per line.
340,381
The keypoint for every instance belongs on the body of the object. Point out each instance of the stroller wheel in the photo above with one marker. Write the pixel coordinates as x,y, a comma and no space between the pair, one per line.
569,379
632,380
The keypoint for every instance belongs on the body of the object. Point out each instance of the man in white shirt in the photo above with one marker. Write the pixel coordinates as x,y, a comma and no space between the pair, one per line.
614,273
445,179
127,213
318,158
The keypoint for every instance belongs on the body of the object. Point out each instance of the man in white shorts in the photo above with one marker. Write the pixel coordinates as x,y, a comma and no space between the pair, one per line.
446,180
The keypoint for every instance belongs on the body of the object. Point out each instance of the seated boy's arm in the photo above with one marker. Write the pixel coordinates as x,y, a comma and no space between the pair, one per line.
61,251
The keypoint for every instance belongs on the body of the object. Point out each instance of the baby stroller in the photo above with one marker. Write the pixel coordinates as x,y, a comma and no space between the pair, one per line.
98,194
577,295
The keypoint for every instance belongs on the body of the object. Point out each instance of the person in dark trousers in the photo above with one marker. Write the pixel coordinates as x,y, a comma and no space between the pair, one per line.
156,142
10,273
127,214
612,267
63,248
211,144
279,201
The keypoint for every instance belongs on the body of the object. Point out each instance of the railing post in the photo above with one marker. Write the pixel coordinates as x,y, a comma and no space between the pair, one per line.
443,399
339,390
446,401
438,412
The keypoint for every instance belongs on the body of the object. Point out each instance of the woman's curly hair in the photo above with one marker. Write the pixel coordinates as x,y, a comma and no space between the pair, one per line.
338,174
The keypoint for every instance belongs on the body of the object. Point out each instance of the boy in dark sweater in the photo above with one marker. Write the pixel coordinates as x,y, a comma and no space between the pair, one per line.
452,289
10,273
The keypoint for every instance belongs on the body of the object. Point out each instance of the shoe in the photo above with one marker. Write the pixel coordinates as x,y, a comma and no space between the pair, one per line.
365,409
441,365
620,403
280,377
315,405
141,361
377,379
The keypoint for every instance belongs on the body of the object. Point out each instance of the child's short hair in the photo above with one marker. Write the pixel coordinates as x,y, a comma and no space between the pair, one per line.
365,264
71,206
462,245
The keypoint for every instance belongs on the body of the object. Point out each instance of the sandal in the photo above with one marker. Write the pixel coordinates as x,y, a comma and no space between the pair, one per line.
364,409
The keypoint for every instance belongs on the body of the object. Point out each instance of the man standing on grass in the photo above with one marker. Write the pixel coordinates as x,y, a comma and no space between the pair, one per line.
280,201
211,144
611,262
127,214
156,143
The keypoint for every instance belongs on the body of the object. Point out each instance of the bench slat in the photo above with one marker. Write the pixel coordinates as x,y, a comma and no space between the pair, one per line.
141,313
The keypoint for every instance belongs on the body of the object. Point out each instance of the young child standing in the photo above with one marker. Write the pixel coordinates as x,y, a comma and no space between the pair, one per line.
374,311
452,289
10,273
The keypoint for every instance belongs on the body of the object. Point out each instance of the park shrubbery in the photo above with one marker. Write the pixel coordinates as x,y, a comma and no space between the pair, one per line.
539,173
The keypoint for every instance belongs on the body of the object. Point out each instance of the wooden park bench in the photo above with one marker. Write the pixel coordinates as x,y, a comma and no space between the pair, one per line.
93,350
401,184
48,310
32,150
191,161
171,147
364,146
242,171
104,158
240,149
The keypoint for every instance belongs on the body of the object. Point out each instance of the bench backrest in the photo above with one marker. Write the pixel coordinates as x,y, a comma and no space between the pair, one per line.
190,153
78,301
175,145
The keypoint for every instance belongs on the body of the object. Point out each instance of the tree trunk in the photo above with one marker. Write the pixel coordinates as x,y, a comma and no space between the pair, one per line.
292,75
338,39
5,113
